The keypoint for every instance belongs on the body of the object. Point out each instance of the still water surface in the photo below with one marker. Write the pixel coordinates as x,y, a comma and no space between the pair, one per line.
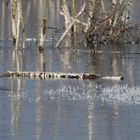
57,109
70,109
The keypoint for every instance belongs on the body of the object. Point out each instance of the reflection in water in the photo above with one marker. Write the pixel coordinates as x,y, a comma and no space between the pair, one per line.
90,109
42,65
16,92
39,111
39,99
67,61
90,120
15,105
61,109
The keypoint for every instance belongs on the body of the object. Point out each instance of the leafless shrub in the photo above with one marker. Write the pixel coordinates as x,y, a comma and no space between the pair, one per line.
104,23
111,26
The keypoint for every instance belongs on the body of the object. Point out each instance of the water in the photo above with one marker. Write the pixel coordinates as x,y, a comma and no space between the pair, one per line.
70,109
57,109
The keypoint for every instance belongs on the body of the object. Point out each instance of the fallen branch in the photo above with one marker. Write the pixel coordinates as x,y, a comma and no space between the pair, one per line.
52,75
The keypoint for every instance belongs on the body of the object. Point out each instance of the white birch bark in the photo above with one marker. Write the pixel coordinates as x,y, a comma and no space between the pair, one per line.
16,20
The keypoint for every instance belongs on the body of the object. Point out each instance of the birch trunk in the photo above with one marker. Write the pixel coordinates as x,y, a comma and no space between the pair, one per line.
16,21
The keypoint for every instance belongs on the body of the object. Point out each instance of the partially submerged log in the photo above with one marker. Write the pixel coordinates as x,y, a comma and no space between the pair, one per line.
46,75
52,75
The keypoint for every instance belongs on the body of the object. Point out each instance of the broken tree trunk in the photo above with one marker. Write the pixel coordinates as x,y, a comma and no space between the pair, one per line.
52,75
42,35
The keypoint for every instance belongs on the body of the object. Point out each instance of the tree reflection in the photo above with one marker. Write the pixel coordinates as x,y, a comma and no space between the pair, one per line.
16,93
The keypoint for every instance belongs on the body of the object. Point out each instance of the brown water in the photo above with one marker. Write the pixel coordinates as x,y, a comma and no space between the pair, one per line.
57,109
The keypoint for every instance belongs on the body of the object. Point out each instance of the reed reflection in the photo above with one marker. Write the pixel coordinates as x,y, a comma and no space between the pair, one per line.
42,63
66,59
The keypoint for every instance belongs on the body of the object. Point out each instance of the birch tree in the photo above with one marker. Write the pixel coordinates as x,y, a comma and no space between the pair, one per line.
16,21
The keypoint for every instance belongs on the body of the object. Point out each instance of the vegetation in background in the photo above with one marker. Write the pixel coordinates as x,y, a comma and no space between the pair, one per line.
106,22
97,21
109,24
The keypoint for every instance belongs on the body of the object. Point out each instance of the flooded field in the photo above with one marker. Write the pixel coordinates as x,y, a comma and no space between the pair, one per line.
57,109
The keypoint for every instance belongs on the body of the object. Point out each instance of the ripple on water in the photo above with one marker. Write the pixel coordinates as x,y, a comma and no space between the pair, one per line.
120,94
116,94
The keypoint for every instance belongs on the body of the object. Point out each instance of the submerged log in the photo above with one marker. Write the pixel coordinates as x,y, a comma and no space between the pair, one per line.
46,75
52,75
